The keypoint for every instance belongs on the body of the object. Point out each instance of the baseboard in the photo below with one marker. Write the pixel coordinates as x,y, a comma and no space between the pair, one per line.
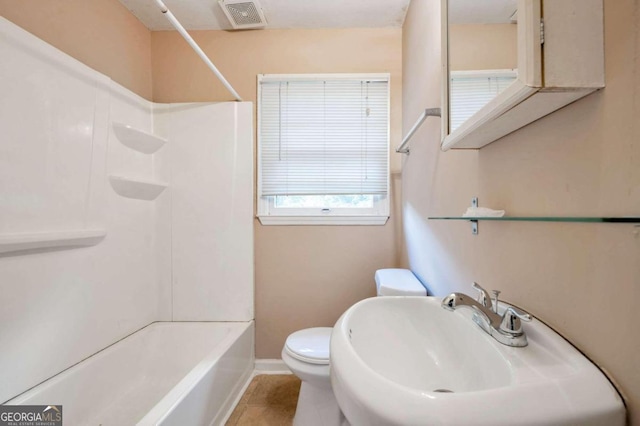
271,366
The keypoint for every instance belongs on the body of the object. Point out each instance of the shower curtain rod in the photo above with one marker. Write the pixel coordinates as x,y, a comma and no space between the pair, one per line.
176,24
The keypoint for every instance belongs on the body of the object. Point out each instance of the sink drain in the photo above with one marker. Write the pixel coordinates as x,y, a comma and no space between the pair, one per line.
443,391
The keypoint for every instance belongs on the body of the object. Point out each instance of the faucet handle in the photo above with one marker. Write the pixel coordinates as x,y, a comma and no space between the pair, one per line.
483,298
510,323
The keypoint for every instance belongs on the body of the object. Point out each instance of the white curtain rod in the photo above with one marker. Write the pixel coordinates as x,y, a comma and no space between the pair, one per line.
176,24
429,112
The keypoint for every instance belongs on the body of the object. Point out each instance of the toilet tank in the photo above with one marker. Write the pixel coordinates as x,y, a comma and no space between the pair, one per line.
398,282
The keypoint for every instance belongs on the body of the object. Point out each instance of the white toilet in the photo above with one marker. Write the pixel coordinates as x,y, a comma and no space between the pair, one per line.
306,353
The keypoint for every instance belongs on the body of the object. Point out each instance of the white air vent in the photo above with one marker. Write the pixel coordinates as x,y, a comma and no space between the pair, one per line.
243,13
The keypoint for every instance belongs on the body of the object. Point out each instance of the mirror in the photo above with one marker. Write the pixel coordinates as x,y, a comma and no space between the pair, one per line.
482,55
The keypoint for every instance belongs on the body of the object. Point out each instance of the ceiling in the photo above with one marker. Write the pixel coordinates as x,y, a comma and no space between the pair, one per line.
207,14
481,11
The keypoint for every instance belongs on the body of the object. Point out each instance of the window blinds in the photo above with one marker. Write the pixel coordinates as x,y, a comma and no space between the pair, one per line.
471,90
323,136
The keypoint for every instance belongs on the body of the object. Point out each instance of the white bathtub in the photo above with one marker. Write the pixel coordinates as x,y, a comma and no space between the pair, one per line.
168,373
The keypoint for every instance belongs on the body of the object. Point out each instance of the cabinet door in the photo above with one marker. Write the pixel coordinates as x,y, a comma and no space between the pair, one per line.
478,130
560,48
530,42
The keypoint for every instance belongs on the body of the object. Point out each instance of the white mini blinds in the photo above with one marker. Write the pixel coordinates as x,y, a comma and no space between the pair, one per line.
471,90
323,135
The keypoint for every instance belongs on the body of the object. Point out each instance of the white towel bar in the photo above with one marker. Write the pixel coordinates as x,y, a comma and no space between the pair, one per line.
429,112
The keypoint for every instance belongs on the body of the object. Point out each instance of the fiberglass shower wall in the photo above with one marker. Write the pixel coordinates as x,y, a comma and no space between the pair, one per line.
86,221
211,153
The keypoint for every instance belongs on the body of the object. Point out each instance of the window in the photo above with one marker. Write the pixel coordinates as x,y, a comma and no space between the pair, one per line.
471,90
323,149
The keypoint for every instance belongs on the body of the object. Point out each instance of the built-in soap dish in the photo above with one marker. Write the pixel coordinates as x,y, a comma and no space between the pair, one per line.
136,188
138,140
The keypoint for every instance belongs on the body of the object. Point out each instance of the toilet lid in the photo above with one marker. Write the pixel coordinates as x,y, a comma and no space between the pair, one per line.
310,345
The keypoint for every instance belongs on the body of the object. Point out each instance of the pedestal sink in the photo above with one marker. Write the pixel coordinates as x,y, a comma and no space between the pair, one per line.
407,361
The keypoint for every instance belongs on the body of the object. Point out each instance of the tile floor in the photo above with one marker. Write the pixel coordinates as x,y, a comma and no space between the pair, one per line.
270,400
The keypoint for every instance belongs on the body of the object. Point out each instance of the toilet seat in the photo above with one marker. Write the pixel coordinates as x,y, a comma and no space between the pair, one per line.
310,345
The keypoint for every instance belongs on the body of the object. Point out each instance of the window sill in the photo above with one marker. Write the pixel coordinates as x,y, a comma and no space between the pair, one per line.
323,220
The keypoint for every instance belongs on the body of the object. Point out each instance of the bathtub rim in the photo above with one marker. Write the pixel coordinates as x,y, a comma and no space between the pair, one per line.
163,407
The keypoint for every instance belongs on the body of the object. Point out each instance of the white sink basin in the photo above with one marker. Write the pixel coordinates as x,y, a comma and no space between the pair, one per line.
407,361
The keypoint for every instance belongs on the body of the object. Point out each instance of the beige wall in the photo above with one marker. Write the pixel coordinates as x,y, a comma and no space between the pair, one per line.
305,275
582,279
100,33
483,46
179,75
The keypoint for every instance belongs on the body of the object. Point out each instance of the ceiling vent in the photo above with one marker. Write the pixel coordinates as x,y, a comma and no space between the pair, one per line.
243,14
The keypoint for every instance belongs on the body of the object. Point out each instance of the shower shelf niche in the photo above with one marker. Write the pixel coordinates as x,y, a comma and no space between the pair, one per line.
11,243
138,140
137,188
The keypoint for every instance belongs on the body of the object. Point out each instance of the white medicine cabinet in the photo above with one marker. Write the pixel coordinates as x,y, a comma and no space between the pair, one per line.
554,48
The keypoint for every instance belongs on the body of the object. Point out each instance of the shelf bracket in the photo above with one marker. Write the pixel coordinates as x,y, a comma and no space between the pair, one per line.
474,223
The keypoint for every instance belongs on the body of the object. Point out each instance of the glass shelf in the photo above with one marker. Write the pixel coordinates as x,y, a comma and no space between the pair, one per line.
544,219
566,219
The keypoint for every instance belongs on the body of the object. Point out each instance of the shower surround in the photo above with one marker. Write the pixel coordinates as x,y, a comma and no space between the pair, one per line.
99,238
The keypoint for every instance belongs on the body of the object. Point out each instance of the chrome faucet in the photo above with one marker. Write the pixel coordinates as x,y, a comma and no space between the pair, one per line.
506,329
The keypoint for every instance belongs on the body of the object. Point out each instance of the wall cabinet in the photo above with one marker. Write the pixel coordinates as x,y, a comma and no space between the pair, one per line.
560,59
